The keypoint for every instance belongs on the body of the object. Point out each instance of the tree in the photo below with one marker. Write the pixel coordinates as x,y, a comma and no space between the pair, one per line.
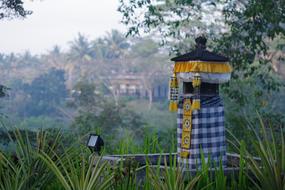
248,27
46,93
12,9
3,91
245,31
146,61
112,51
81,49
6,63
80,56
55,58
173,22
109,119
116,43
245,26
87,98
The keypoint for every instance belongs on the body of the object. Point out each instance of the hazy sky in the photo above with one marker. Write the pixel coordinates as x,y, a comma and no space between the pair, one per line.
58,22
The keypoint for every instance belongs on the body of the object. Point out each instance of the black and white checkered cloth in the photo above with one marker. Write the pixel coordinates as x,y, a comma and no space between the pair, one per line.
207,135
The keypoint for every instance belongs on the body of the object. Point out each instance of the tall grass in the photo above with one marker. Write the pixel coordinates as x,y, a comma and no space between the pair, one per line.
270,170
75,172
128,145
43,163
11,175
265,159
170,177
23,169
125,176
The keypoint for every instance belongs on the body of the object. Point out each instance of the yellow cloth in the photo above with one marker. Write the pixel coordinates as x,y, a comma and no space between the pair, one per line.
196,104
184,154
187,125
173,106
202,66
186,128
174,82
196,82
187,107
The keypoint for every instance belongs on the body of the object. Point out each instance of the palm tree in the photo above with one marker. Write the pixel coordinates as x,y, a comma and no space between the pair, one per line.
116,43
55,57
80,55
81,50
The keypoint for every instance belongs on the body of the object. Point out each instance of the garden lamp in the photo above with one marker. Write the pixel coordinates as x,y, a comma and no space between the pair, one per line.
95,143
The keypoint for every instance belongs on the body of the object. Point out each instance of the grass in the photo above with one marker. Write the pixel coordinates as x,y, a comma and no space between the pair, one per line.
267,172
44,164
74,171
170,177
156,116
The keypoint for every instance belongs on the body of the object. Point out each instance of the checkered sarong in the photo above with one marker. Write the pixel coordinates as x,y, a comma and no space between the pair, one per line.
207,134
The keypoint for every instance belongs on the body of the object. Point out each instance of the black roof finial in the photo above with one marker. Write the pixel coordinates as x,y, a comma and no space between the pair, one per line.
200,53
201,42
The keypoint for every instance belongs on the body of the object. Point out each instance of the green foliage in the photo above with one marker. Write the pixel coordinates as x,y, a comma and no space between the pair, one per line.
39,163
86,97
145,48
109,118
246,32
38,123
81,50
174,21
38,89
113,46
23,169
157,116
12,9
243,100
129,144
243,33
266,158
3,91
14,179
170,177
74,171
46,92
242,180
125,175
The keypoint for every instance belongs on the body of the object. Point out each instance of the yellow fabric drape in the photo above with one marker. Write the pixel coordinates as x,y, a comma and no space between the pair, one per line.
196,105
202,66
186,129
188,107
173,106
173,93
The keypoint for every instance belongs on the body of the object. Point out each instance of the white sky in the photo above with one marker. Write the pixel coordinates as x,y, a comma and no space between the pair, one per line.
58,22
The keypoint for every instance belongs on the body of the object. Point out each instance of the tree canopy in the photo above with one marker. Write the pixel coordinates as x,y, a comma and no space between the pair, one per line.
241,30
12,9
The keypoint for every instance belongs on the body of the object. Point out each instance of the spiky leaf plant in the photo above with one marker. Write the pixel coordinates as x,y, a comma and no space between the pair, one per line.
126,175
169,177
11,175
75,171
24,168
266,162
